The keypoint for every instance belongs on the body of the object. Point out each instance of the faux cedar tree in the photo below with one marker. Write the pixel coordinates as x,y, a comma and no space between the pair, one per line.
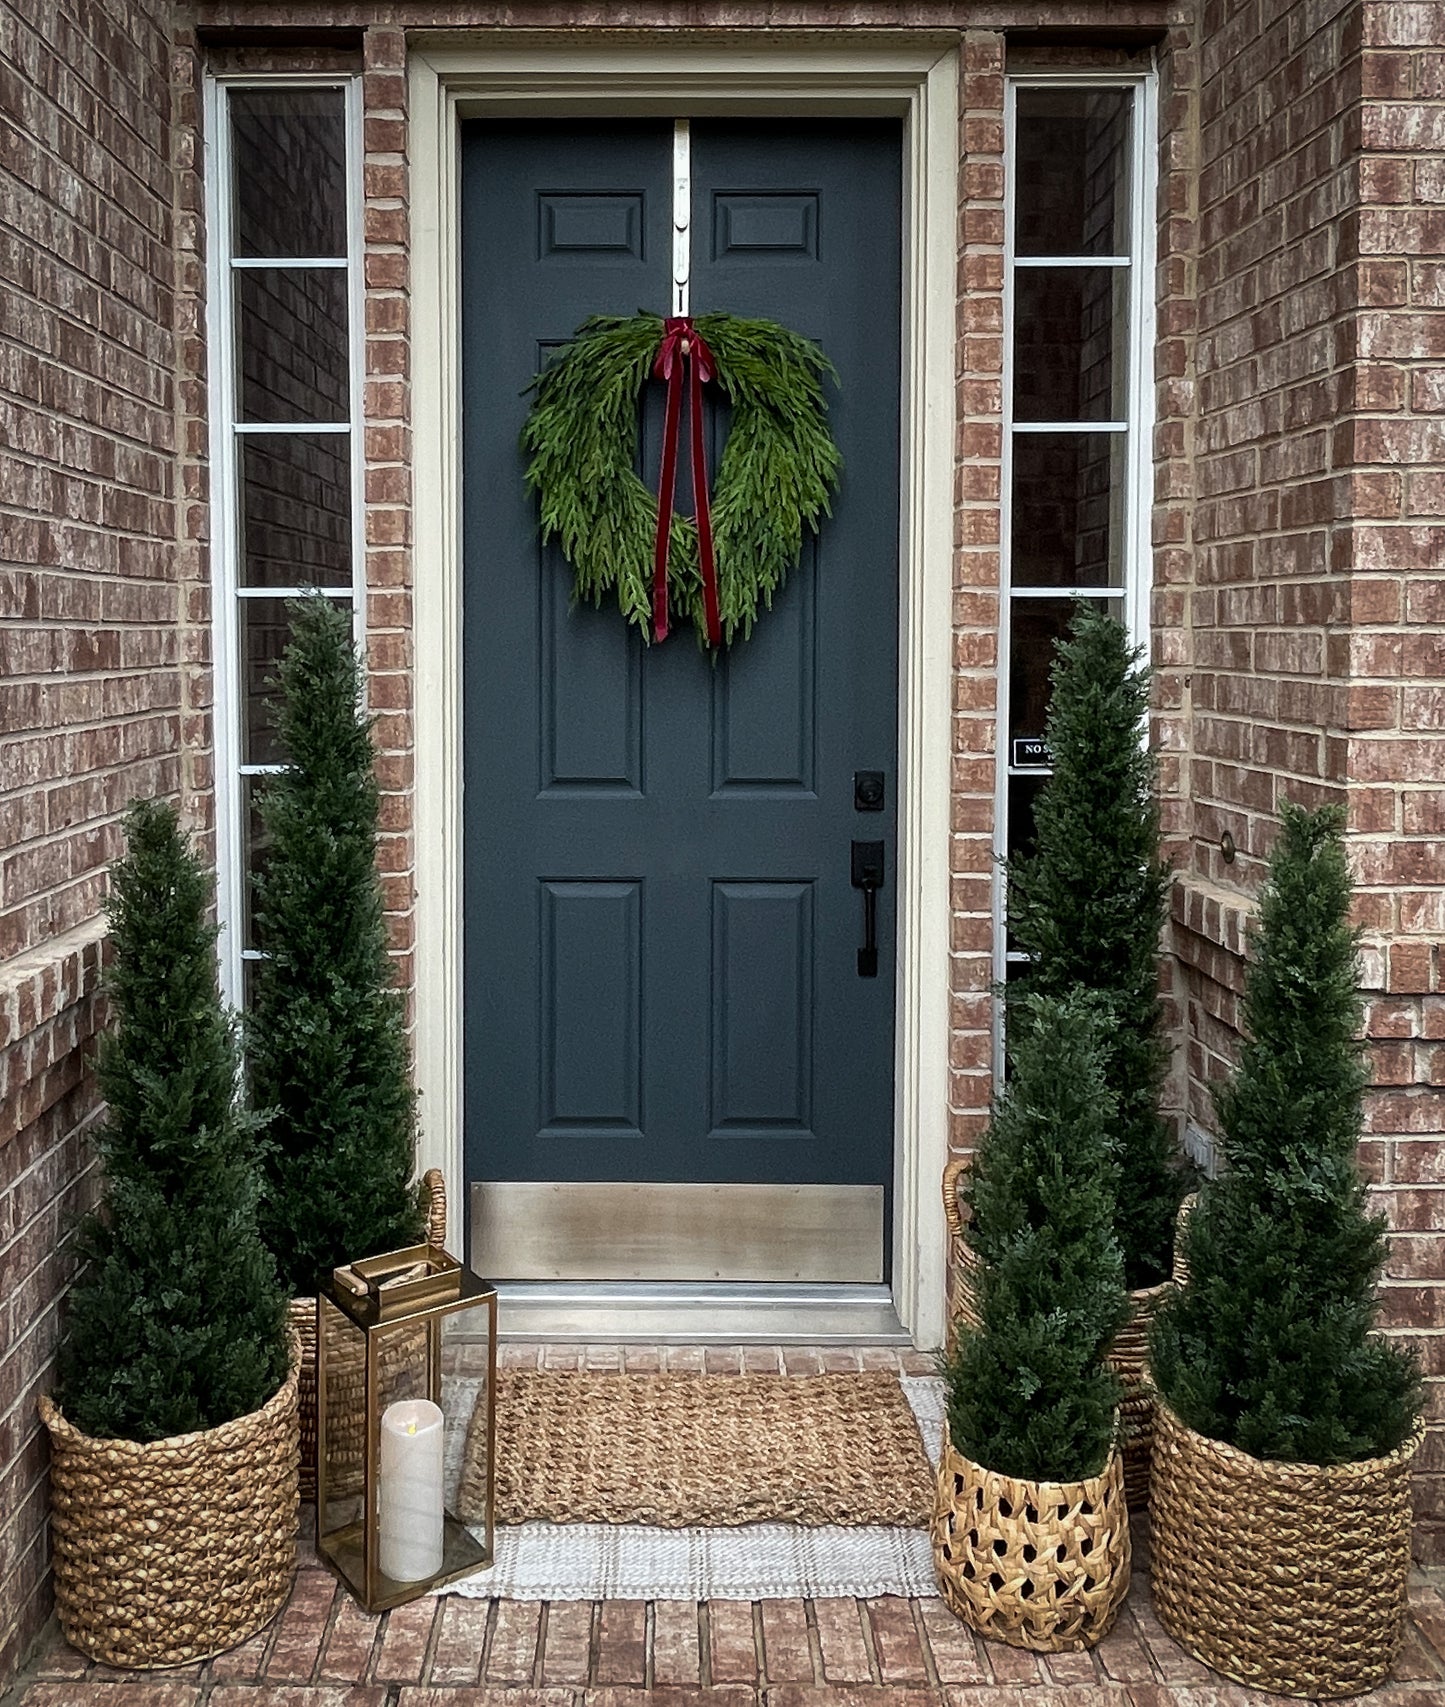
1028,1392
326,1040
176,1322
1269,1346
1087,905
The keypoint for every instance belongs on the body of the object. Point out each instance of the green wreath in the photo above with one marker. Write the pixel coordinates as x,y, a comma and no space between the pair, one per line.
778,472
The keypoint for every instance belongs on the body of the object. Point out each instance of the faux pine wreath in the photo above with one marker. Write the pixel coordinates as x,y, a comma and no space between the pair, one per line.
778,472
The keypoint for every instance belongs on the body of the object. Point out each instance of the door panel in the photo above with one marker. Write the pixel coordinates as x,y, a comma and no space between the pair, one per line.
661,934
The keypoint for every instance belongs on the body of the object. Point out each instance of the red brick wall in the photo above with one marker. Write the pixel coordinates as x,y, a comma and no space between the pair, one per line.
103,649
1394,657
1318,666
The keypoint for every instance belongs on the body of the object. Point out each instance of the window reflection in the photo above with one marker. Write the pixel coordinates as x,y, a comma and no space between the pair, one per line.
1072,172
288,153
295,510
1066,518
292,333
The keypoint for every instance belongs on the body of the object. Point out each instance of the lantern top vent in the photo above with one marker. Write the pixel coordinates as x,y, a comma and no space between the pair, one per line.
418,1280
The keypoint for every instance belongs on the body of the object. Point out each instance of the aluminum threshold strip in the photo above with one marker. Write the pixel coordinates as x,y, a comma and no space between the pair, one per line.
687,1313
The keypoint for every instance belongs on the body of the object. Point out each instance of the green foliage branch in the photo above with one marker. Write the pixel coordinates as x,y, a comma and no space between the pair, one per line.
1088,905
1028,1393
1270,1346
326,1037
176,1322
778,471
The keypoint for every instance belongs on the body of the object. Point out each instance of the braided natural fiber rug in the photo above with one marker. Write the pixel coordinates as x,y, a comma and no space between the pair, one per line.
754,1561
688,1451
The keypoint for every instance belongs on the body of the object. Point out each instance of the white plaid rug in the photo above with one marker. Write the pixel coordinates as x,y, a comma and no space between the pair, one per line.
758,1561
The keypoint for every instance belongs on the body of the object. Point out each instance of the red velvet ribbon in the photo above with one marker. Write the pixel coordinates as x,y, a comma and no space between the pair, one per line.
683,347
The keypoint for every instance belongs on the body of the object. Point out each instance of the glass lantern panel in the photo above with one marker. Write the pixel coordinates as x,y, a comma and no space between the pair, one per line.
341,1444
471,1446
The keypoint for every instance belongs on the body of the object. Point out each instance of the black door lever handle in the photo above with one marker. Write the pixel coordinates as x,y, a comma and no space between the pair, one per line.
868,876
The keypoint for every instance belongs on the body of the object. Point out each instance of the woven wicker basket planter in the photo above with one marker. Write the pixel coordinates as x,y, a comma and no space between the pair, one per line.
176,1549
1126,1356
1039,1565
1287,1577
303,1321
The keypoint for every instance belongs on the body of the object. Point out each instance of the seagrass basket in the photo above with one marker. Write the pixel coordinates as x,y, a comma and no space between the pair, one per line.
1039,1565
1286,1577
303,1321
169,1551
1127,1356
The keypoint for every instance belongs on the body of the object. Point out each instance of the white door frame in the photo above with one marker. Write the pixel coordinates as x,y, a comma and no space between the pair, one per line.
915,78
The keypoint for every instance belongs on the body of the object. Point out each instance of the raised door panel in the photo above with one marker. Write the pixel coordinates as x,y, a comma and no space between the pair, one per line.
762,1021
764,709
589,950
589,694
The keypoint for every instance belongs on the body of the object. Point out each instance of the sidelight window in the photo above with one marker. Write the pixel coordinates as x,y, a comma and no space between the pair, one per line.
1077,407
285,302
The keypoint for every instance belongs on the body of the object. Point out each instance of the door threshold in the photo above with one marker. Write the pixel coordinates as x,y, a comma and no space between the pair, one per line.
687,1313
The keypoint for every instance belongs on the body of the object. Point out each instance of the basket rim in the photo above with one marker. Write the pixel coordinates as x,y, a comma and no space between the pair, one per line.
955,1214
1287,1469
1065,1493
61,1428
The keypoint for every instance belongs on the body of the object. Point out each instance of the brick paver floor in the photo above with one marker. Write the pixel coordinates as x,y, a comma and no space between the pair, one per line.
885,1652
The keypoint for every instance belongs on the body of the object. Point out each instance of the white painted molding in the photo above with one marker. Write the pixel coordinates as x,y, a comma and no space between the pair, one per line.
917,79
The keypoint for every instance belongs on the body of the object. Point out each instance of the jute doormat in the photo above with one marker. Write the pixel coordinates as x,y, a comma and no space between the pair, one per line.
687,1451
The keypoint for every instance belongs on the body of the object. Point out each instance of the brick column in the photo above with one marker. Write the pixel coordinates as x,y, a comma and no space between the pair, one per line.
1393,653
976,570
388,473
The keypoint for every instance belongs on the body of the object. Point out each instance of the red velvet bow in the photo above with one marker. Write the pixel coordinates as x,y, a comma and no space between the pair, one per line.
683,347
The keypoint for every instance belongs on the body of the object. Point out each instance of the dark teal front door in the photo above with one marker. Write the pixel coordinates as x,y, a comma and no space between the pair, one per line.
662,979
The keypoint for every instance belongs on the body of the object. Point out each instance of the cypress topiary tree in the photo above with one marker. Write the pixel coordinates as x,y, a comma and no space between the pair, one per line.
1269,1346
326,1038
1028,1392
1088,906
176,1322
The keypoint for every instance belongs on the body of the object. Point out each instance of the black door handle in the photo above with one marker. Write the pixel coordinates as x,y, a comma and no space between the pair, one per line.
868,876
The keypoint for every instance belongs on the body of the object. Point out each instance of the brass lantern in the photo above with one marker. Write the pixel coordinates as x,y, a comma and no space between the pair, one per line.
387,1484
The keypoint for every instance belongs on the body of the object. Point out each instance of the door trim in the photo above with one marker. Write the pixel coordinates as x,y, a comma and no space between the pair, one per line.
915,78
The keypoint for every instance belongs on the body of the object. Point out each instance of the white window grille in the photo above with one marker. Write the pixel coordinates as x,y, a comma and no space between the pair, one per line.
286,375
1078,399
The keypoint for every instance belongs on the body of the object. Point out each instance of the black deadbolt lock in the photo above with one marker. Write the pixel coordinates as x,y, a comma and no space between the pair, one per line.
868,791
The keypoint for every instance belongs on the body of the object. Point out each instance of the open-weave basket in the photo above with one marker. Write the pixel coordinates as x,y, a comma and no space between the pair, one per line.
1127,1356
171,1550
1288,1577
303,1321
1039,1565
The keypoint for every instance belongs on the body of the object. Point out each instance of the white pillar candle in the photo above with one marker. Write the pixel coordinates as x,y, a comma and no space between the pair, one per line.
410,1490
